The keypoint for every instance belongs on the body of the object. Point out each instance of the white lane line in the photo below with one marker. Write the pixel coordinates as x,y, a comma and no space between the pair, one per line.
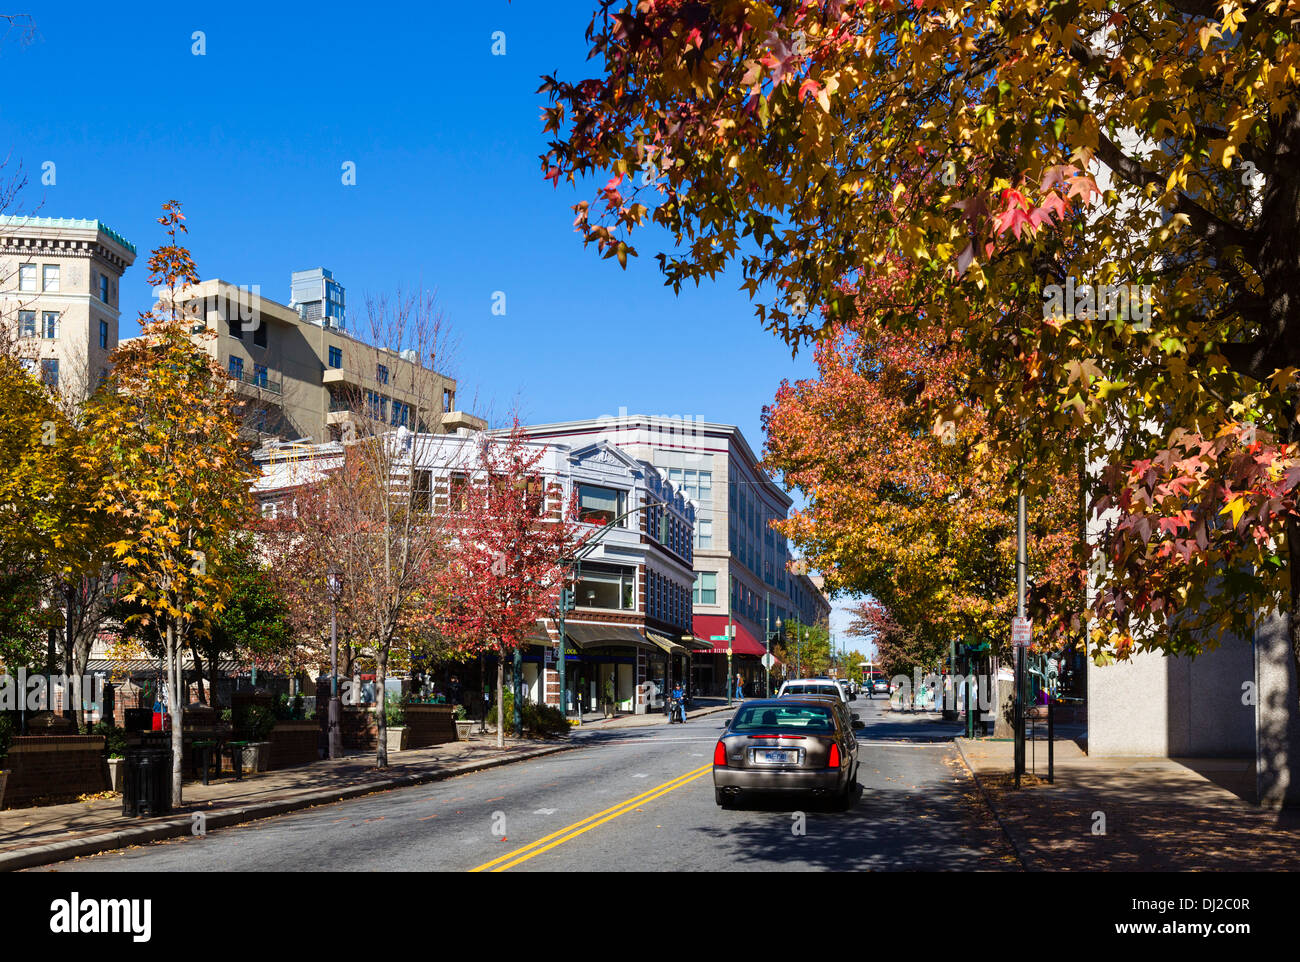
545,811
641,775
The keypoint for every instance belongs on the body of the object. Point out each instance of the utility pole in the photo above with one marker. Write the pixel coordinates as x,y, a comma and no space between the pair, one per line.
1022,566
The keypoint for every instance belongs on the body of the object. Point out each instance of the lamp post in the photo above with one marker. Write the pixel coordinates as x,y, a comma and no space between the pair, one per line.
334,584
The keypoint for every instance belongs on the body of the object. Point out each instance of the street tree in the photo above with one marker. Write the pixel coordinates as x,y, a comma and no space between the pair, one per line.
167,424
1138,155
907,501
513,531
369,511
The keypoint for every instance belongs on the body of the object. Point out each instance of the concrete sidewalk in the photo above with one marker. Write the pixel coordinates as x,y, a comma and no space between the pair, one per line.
37,836
1132,814
707,706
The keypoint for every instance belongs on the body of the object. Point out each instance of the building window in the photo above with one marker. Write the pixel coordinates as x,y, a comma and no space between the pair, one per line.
50,372
259,334
49,324
27,323
336,357
422,495
27,278
381,373
606,586
598,505
103,334
237,368
704,533
103,288
235,328
50,278
448,400
705,591
259,375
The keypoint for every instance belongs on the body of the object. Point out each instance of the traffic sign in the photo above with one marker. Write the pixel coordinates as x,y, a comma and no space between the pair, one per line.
767,660
1021,632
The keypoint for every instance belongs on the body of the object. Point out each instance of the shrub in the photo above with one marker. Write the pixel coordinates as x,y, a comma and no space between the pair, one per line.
544,719
253,722
460,713
116,743
394,712
289,709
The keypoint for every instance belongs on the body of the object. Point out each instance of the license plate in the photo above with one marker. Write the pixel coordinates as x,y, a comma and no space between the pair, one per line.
768,756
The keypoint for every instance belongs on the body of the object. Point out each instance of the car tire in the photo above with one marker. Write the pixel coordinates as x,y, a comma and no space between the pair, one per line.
844,800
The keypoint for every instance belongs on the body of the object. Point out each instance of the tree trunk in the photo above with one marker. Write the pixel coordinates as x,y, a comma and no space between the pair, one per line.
381,701
501,718
177,710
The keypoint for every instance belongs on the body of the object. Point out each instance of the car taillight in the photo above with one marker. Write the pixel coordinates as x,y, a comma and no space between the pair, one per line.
834,760
720,754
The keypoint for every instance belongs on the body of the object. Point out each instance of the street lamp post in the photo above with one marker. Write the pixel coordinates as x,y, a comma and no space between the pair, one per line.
768,674
334,583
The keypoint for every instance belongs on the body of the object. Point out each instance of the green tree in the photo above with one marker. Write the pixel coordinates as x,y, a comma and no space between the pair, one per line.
168,426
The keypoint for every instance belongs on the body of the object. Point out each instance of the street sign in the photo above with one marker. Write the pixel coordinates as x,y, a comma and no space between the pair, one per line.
1021,632
767,660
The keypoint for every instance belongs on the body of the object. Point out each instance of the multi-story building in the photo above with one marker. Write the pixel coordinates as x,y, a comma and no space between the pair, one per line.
631,624
743,576
307,377
59,281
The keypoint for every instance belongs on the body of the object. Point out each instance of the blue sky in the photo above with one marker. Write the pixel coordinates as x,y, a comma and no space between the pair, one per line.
252,136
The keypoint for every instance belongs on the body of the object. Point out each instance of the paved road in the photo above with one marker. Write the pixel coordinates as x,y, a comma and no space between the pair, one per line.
633,799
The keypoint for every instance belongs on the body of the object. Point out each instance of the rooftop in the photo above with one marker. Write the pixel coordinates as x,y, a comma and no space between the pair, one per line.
66,223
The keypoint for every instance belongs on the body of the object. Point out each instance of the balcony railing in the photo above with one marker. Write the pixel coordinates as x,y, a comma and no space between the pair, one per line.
274,385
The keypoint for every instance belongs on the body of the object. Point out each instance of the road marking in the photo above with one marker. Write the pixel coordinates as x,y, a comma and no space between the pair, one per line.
545,811
499,797
426,818
641,774
577,828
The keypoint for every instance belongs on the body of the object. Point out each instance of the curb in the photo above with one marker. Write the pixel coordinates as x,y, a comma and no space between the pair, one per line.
174,827
1026,861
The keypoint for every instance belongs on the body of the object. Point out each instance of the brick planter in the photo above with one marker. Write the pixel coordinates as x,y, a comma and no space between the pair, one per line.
294,743
429,725
53,765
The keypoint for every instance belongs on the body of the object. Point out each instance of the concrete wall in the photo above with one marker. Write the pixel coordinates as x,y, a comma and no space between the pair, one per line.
1277,761
1168,706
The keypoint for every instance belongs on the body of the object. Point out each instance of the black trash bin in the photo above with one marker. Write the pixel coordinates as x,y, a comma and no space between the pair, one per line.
138,719
147,781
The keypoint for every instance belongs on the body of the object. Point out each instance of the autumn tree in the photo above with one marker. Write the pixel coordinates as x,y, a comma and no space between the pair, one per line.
899,650
1008,153
168,426
918,515
369,510
513,532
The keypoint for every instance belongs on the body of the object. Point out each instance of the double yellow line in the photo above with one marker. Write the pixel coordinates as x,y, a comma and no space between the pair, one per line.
577,828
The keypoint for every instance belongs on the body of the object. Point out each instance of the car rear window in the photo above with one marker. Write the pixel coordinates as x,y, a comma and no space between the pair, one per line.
802,718
809,690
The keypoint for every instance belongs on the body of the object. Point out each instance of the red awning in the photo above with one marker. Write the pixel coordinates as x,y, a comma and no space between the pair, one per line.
706,626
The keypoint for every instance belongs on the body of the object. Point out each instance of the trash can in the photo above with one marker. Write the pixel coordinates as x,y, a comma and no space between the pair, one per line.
147,780
138,719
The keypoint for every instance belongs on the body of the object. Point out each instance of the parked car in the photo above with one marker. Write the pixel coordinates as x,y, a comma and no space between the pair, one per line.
797,743
880,686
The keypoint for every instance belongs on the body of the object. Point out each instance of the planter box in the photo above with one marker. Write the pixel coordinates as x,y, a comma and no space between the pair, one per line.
464,729
256,756
430,725
116,766
396,739
294,743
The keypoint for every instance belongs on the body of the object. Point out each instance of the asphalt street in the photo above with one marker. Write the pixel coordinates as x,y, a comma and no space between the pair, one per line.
634,799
